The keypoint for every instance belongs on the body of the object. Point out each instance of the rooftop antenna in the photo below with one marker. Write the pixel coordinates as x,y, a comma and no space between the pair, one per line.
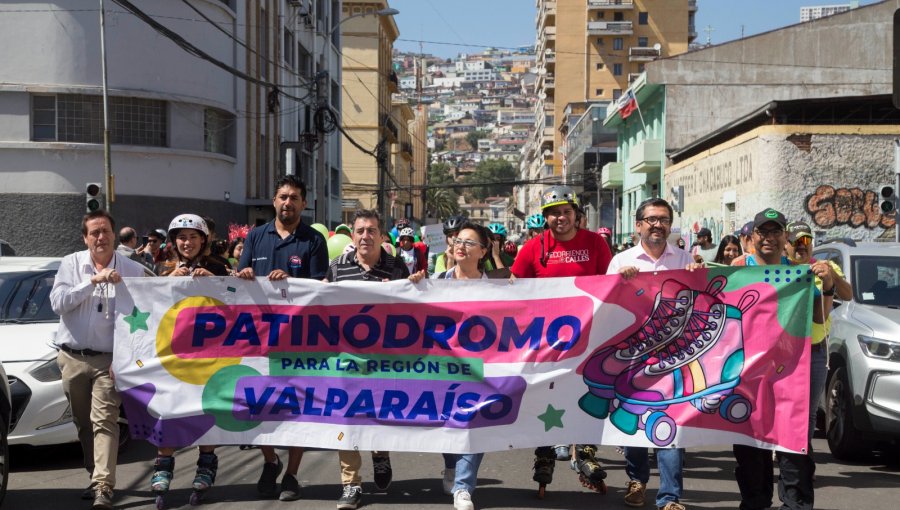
709,30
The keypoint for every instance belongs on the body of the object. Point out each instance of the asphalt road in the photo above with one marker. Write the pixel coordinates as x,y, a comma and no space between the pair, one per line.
51,478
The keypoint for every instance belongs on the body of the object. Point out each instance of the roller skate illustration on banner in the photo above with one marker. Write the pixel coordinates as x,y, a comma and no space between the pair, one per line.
671,311
700,364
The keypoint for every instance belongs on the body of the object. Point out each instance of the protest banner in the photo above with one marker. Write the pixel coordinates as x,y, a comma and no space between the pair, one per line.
674,358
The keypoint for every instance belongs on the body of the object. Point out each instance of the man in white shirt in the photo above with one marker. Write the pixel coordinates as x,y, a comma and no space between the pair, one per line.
84,297
653,221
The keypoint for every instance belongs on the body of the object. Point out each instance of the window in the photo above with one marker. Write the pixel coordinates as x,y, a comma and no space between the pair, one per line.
601,15
643,18
218,131
79,118
600,66
618,43
304,61
43,118
618,16
617,93
641,68
598,92
600,41
335,182
289,48
643,42
617,69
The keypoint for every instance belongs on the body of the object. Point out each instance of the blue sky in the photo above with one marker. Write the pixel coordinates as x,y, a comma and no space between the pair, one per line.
511,22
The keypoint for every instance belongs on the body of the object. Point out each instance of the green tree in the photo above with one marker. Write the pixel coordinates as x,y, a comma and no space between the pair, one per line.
492,178
440,200
472,138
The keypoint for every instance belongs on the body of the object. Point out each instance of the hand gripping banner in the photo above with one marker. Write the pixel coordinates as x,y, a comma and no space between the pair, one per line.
673,358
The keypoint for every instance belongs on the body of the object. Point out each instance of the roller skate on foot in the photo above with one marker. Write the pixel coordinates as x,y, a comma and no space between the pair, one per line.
544,463
590,473
163,470
207,466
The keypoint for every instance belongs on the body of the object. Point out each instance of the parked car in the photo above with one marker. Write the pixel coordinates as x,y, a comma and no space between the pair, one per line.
40,411
862,396
5,415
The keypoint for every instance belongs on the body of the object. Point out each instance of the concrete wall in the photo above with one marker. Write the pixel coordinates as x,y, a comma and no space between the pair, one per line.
847,54
833,186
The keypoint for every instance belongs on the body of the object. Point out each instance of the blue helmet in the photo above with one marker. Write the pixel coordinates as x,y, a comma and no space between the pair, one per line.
497,229
536,221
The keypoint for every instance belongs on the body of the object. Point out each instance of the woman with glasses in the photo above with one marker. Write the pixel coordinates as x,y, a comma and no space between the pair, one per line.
470,252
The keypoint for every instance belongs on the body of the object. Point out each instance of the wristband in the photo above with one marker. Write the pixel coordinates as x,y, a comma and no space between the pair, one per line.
829,292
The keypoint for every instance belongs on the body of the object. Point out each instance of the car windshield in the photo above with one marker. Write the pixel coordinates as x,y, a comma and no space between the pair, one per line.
876,280
25,297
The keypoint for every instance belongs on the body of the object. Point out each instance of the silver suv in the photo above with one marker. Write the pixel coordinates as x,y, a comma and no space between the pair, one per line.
862,396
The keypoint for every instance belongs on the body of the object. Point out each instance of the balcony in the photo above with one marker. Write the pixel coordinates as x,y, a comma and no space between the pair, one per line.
549,57
549,33
692,32
642,54
543,15
610,4
609,28
632,77
406,150
389,127
692,5
549,81
611,175
645,156
394,83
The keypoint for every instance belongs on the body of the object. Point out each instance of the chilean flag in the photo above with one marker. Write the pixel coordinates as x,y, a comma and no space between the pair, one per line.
627,104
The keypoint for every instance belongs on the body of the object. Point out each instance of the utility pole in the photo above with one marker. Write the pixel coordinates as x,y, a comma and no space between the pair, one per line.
319,175
107,163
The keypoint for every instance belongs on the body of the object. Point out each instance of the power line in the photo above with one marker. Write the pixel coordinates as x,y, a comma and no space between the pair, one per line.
197,52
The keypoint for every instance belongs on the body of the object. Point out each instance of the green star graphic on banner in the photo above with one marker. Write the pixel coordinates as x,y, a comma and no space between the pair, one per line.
137,320
552,417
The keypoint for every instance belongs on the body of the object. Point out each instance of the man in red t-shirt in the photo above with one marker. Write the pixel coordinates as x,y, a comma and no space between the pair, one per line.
563,249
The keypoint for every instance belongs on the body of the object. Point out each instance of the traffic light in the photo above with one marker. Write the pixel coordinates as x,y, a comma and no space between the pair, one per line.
678,199
888,201
92,198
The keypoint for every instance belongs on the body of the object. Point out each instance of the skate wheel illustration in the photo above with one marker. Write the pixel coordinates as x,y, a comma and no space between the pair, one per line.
660,429
735,409
598,407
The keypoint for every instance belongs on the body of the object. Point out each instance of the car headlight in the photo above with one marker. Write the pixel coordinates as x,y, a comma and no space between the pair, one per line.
879,349
47,372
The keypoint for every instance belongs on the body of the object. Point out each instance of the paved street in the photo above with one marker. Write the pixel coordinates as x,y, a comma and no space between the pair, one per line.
51,479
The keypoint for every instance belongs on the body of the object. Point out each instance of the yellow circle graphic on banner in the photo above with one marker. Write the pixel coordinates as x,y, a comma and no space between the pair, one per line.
190,370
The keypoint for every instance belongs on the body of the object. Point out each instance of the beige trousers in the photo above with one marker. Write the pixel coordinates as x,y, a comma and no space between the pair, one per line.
95,411
351,463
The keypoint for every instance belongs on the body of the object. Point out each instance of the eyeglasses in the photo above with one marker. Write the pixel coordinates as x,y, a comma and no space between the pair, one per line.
657,220
468,243
153,241
769,232
805,241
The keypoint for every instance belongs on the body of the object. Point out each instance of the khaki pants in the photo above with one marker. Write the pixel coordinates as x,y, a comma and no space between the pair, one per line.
351,463
95,411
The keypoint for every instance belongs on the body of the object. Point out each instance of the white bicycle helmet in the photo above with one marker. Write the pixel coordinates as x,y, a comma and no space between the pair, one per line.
407,232
191,221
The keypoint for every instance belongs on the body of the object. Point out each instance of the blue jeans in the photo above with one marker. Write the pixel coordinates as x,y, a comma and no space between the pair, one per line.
818,372
466,466
668,460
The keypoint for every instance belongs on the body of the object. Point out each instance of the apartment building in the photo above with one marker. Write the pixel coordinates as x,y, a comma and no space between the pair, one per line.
603,48
810,13
368,83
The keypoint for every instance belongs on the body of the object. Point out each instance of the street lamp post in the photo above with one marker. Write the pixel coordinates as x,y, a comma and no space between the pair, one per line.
320,166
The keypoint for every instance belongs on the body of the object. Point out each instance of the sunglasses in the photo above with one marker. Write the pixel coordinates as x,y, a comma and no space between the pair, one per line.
805,241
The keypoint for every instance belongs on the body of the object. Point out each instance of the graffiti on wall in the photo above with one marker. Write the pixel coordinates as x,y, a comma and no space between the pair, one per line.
831,207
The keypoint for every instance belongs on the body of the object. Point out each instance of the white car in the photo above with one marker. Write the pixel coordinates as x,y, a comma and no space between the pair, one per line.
40,412
5,413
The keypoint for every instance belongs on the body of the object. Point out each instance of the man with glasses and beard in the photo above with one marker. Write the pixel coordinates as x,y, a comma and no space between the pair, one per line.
653,223
754,471
284,248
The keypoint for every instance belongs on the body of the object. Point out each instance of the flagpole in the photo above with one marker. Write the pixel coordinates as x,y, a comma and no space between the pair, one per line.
641,115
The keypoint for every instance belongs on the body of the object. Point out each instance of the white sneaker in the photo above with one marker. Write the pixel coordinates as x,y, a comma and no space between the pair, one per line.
462,500
449,480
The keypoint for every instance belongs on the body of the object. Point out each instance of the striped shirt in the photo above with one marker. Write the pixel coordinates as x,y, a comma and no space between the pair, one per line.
346,267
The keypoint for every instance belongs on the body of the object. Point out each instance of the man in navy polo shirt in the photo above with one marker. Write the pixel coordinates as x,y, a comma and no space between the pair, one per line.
284,248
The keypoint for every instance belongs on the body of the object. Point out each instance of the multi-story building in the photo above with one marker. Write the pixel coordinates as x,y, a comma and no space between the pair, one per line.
810,13
369,82
186,135
603,48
